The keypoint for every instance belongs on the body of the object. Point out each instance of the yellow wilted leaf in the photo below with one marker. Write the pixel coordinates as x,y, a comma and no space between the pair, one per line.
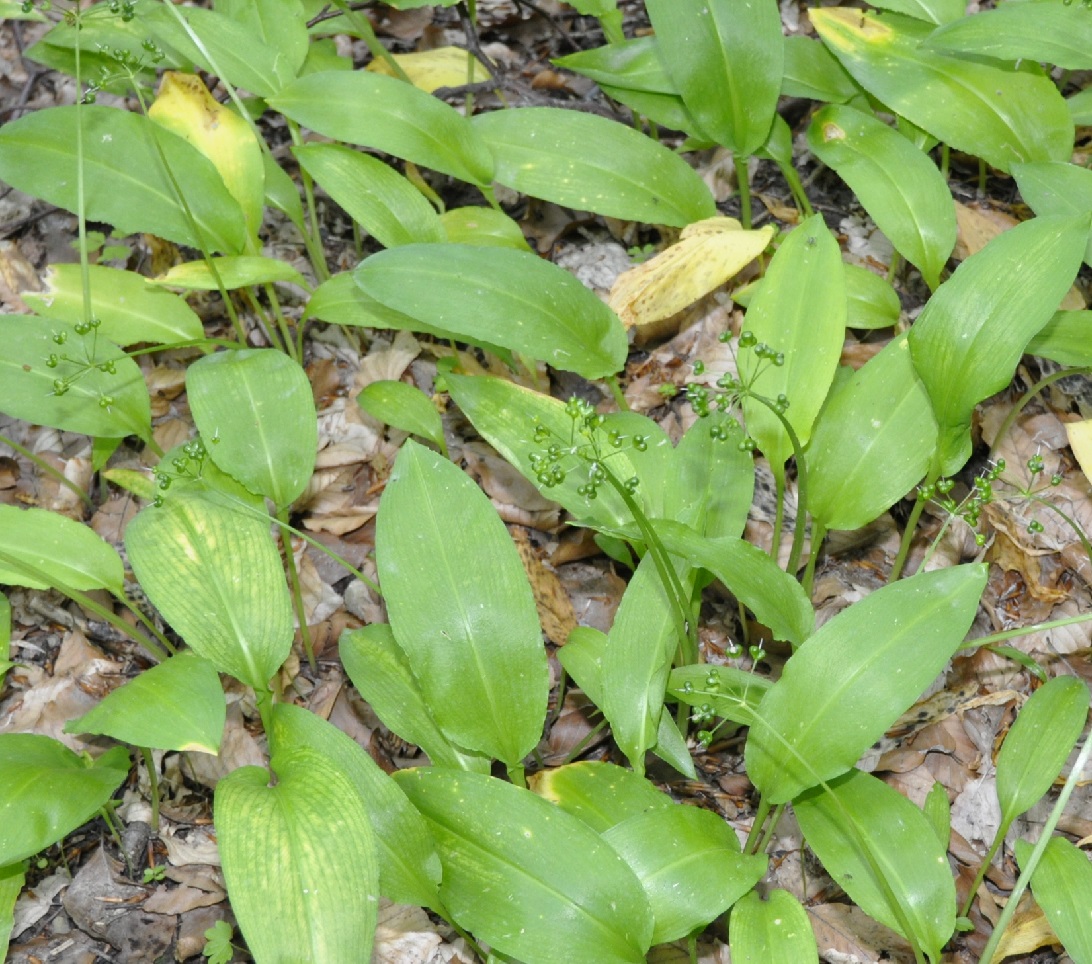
1080,440
185,107
706,255
430,69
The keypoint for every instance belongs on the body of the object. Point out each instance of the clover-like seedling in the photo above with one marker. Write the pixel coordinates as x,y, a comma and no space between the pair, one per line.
584,446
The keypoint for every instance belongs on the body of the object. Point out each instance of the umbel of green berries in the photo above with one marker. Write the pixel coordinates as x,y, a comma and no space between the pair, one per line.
588,444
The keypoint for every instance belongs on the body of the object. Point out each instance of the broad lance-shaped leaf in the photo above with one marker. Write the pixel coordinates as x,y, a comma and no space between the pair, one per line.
232,271
300,894
372,193
70,396
726,58
799,311
1054,33
1051,187
593,164
1062,885
214,574
124,179
880,848
460,606
404,407
515,865
505,297
12,879
48,791
1003,115
259,406
898,185
368,109
872,441
129,307
689,862
1038,745
776,928
601,794
177,705
968,340
381,673
55,547
409,869
855,675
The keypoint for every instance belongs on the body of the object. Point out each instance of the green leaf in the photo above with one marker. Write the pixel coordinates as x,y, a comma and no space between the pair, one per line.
460,606
409,869
938,812
177,705
800,311
1053,188
1038,30
28,389
378,198
299,894
483,226
381,673
281,192
48,791
632,64
236,271
600,794
509,298
12,879
858,814
371,110
637,659
225,47
582,658
1002,115
130,308
1080,107
1066,339
774,929
872,442
1062,885
898,185
732,694
593,164
726,59
279,25
124,179
855,675
710,480
930,11
515,865
1039,743
750,575
258,403
689,862
404,407
811,71
5,637
871,302
968,340
214,574
59,552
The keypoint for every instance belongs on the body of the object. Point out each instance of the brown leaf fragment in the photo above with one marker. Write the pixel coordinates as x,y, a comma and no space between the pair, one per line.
555,610
843,932
17,274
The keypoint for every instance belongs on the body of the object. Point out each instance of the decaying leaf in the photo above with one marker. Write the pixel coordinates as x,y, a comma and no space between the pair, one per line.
706,255
1080,440
431,69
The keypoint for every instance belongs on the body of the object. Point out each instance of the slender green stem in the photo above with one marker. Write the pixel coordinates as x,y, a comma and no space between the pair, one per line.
363,27
907,538
153,784
313,237
893,268
297,590
518,776
81,198
584,743
1037,853
998,839
980,641
755,835
262,320
779,511
616,391
743,179
282,322
1014,412
771,827
818,534
49,470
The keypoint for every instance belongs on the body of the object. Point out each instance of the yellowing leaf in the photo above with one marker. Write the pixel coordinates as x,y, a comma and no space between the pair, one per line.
430,69
1080,440
707,254
185,107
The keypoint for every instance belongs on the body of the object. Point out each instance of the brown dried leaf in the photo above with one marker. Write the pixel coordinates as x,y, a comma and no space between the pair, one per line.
555,609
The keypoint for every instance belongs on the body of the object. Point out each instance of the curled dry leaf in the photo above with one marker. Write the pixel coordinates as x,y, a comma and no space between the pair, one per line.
707,254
